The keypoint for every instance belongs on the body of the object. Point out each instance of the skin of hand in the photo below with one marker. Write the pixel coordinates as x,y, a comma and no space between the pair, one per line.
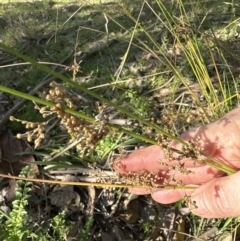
216,195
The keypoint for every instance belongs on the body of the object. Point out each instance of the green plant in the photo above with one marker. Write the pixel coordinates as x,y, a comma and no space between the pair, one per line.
147,226
18,225
107,144
59,226
139,104
14,225
85,231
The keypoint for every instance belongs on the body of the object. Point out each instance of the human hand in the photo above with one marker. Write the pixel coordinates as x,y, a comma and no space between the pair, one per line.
216,195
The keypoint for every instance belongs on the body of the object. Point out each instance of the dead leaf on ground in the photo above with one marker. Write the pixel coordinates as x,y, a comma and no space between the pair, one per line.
64,196
12,161
132,214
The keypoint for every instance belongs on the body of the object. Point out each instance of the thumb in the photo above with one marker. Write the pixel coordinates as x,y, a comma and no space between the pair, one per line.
218,198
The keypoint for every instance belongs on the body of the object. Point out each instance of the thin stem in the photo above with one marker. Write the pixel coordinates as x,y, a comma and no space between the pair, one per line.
215,163
92,184
86,90
75,113
44,102
218,164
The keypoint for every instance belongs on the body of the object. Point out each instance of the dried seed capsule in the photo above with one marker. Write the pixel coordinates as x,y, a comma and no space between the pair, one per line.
59,105
11,118
29,138
19,136
32,125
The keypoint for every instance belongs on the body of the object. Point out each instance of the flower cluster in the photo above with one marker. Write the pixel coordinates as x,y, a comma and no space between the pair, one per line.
85,133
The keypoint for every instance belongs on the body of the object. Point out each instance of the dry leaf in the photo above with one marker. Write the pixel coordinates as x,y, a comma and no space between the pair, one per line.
179,236
11,161
132,214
